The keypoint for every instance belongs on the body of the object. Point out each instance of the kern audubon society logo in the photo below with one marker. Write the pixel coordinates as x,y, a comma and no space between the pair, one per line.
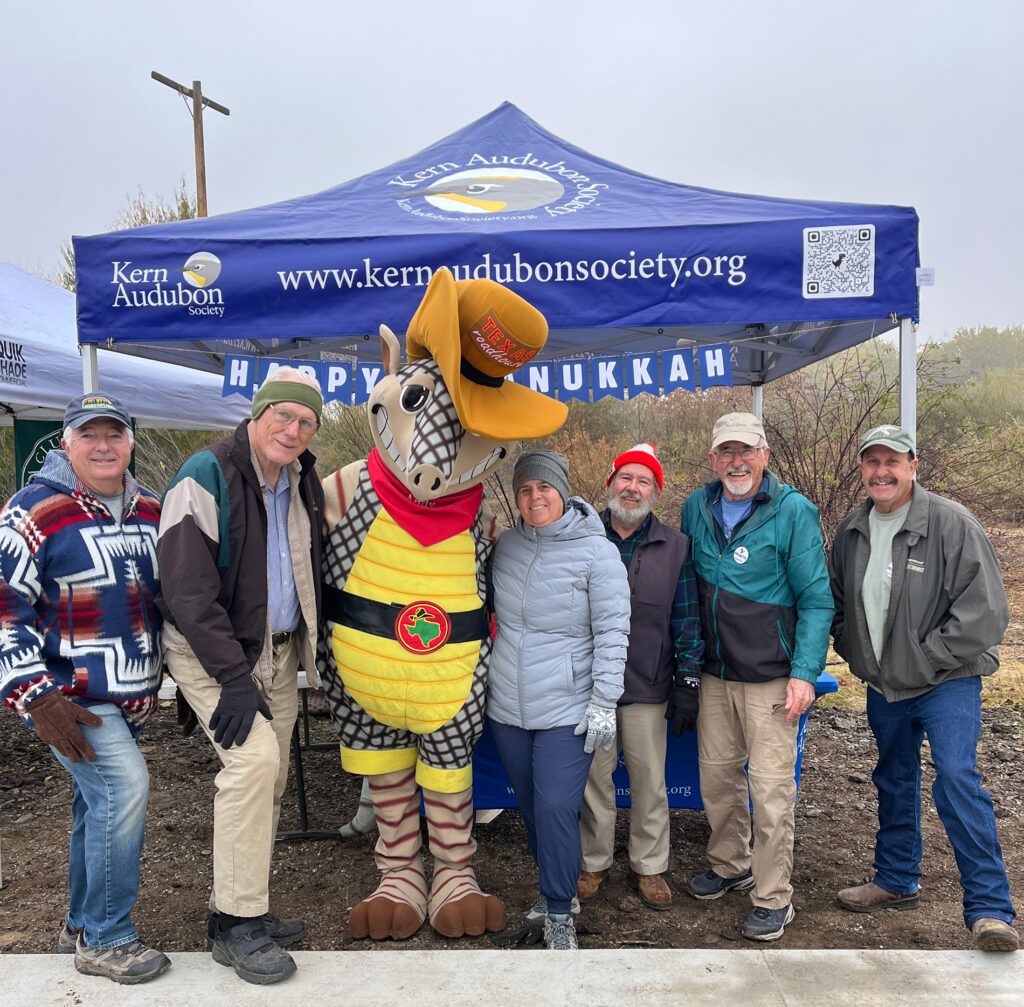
520,187
139,287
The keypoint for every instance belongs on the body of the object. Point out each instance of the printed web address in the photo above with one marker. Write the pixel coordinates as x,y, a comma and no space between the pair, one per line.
674,268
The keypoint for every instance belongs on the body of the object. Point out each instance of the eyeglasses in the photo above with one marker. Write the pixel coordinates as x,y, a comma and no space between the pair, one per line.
746,454
284,416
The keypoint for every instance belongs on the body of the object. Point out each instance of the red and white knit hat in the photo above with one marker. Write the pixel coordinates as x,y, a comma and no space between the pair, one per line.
639,454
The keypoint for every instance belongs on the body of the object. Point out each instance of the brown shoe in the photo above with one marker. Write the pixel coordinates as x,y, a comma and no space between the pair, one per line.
994,935
652,890
870,898
589,883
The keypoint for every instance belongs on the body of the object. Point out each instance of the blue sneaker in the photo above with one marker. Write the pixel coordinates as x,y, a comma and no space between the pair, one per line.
710,886
767,924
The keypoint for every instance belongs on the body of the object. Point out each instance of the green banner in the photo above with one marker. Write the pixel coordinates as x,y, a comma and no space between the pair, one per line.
32,439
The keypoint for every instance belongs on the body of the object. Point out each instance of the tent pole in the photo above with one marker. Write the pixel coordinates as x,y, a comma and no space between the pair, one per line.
90,371
908,376
758,391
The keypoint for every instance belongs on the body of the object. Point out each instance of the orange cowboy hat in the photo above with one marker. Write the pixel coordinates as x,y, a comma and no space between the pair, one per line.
478,332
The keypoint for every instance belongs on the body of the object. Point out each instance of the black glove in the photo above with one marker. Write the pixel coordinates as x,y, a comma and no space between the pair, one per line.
682,709
56,720
240,701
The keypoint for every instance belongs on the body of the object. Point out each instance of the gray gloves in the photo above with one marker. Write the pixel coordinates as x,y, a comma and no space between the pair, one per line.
600,726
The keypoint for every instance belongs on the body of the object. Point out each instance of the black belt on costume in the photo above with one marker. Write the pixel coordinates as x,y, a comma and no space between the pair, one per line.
378,619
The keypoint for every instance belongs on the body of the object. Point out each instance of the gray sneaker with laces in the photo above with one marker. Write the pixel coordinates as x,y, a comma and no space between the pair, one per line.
67,940
128,964
538,912
560,933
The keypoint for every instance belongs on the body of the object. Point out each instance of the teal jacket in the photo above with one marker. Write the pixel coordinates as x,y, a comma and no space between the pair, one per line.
765,603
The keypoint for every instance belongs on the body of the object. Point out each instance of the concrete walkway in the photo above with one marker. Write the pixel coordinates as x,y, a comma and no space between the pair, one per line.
751,978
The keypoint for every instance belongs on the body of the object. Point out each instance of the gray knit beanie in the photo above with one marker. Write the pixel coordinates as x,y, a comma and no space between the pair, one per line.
549,466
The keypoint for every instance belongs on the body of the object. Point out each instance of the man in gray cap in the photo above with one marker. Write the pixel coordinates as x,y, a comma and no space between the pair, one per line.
765,612
81,664
920,611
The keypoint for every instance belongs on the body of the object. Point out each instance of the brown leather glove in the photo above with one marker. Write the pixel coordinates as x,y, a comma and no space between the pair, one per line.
187,719
57,718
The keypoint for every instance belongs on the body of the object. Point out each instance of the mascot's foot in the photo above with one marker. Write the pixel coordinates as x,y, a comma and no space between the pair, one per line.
457,906
396,909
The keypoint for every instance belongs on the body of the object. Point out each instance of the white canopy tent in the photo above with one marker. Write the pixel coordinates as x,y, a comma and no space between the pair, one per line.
41,369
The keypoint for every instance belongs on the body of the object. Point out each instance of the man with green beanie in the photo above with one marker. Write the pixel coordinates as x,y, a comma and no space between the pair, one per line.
239,554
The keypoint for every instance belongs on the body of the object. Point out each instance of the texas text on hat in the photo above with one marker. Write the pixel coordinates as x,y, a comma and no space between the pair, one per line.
638,454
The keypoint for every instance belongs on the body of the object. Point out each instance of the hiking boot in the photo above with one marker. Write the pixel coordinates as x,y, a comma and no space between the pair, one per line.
652,889
538,912
767,924
283,933
994,935
560,933
67,940
870,898
710,885
247,948
128,964
589,883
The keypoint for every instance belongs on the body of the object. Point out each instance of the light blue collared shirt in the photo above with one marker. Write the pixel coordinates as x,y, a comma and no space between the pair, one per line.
282,598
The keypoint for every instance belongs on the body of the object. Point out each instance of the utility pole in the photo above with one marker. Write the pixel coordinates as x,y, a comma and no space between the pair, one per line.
198,101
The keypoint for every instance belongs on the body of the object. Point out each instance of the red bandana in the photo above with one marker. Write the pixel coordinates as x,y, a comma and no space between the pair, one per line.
428,523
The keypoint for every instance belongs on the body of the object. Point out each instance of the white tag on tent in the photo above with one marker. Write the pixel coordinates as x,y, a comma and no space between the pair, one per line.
926,276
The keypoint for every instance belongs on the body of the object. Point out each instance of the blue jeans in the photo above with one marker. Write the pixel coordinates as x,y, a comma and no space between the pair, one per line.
108,815
548,771
950,715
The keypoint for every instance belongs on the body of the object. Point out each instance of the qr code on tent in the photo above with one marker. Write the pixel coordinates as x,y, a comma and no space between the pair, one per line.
839,261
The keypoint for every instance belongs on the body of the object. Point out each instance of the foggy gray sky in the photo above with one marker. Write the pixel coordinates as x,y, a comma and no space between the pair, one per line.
880,102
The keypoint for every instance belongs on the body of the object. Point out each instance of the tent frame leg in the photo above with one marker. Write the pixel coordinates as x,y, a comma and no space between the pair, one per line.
908,376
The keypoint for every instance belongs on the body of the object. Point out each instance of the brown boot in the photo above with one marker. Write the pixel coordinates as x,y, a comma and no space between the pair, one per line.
652,889
870,898
589,883
994,935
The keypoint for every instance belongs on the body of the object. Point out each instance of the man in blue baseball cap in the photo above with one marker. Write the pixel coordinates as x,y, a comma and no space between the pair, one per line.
81,664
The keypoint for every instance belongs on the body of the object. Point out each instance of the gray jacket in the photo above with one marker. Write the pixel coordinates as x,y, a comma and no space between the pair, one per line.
947,610
561,601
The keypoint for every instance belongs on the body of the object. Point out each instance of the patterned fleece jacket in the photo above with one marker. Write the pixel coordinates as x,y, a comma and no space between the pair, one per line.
77,595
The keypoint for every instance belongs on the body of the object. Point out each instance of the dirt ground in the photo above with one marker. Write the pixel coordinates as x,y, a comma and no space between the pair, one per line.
319,881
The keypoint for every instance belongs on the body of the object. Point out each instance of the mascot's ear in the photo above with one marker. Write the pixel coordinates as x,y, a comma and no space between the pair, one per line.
390,351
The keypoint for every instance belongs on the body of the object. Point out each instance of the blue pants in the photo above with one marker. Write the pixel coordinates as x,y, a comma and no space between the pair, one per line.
548,771
108,813
950,715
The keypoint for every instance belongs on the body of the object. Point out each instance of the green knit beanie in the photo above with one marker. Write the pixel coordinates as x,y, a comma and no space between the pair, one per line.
284,390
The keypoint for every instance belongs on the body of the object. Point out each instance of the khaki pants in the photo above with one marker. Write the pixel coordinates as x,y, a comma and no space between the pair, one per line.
741,721
247,804
642,738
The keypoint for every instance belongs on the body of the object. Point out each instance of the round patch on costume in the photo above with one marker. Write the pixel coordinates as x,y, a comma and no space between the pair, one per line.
741,555
423,627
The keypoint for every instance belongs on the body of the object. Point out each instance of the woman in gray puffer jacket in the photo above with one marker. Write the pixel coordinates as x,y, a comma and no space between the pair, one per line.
562,607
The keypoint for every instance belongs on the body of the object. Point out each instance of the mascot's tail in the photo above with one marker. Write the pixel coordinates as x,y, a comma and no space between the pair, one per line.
364,821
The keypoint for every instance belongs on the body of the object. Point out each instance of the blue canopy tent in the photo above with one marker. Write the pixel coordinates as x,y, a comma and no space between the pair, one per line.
617,261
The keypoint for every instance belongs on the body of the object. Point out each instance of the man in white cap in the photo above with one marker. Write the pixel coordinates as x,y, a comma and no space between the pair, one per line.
920,612
662,680
765,610
239,550
81,664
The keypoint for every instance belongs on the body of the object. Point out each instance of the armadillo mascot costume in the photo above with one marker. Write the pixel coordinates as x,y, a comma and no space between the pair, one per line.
407,629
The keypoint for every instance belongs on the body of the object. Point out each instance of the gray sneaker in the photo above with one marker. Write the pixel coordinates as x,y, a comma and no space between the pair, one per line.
538,912
560,933
767,924
67,940
128,964
710,885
